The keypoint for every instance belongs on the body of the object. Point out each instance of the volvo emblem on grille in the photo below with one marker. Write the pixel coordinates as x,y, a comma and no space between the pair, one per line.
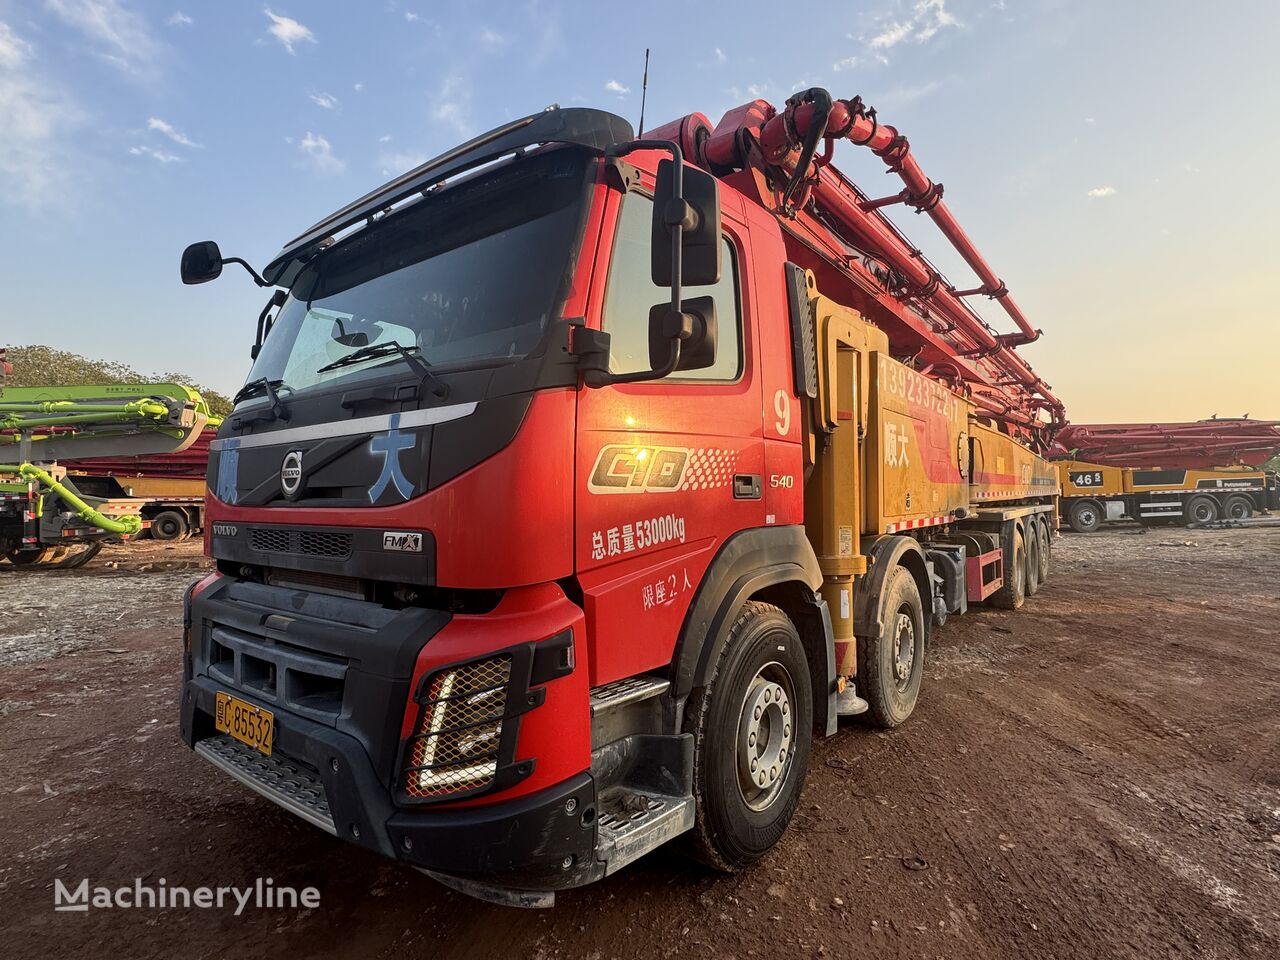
291,474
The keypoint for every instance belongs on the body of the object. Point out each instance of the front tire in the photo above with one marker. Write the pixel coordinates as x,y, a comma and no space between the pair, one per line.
1239,508
1085,516
891,669
753,729
169,525
1202,510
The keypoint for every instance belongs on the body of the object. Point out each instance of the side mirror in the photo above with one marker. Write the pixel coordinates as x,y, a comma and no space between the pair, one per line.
698,212
694,327
201,262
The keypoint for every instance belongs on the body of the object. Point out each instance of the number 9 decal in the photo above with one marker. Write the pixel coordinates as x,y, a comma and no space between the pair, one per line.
782,410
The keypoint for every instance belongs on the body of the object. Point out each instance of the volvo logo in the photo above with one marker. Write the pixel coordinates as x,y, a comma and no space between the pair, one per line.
291,474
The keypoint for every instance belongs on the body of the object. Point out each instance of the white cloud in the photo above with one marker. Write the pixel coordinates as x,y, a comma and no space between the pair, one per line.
848,63
13,49
544,36
412,17
718,55
177,136
1090,121
154,154
1105,191
492,40
398,162
358,88
288,31
319,153
453,103
1190,168
326,101
385,138
179,19
908,93
926,19
613,86
36,120
123,38
891,36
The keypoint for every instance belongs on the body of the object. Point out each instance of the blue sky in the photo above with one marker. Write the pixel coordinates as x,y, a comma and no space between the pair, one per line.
1112,160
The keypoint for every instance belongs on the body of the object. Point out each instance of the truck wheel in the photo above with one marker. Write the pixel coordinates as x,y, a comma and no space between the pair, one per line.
1239,508
1014,590
169,525
890,669
1085,516
752,726
1032,540
1202,510
29,558
1046,546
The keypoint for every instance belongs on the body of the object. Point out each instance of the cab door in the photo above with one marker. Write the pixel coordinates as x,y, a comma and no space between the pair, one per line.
665,470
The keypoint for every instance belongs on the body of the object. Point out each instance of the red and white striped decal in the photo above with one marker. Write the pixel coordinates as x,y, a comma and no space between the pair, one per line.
916,524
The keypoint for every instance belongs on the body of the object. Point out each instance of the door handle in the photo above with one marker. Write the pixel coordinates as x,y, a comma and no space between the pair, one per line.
746,486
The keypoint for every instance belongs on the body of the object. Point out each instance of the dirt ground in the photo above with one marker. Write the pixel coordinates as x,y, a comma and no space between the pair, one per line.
1094,776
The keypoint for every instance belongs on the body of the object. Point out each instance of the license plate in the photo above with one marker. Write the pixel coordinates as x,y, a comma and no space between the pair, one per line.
251,725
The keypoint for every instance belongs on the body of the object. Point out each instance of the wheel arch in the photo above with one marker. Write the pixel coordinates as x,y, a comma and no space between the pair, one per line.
774,565
885,555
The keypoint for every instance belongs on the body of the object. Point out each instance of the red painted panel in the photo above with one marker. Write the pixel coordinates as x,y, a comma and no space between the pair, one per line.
556,734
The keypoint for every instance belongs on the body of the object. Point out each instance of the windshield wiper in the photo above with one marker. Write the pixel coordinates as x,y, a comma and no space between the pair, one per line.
264,386
412,355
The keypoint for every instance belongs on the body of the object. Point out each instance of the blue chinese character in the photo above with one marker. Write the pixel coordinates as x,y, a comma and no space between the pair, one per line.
389,445
228,470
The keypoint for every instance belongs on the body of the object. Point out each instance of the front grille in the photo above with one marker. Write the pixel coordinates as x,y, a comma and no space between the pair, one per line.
305,681
310,543
460,731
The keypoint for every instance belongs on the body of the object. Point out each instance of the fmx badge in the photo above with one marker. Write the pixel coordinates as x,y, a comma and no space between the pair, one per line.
622,469
405,542
291,474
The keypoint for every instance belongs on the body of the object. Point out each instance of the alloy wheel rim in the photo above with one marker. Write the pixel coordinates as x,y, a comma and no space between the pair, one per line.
904,649
766,732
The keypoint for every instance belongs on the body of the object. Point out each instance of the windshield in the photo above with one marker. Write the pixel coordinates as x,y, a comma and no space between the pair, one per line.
471,272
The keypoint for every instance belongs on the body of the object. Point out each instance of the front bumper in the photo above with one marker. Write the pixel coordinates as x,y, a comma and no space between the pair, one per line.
338,674
541,841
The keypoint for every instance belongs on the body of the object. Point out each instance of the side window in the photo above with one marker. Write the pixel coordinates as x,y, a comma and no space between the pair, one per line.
631,292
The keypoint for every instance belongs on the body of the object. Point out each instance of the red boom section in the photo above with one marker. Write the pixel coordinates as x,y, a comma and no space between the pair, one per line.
1198,445
189,464
838,231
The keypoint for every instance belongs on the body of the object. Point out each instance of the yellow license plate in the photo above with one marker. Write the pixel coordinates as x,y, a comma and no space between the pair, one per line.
251,725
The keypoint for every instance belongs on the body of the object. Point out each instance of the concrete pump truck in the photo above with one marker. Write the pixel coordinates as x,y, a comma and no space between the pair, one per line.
581,480
50,517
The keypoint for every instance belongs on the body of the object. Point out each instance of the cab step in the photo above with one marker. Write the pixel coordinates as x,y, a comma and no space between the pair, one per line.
628,690
630,824
283,781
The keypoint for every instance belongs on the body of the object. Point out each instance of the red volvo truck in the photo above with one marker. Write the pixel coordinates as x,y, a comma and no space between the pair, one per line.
580,481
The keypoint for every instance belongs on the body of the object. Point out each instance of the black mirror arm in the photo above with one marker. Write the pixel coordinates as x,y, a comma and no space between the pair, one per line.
678,218
608,379
252,272
277,300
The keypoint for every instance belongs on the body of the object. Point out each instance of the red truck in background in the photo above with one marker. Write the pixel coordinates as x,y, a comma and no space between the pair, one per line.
580,480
